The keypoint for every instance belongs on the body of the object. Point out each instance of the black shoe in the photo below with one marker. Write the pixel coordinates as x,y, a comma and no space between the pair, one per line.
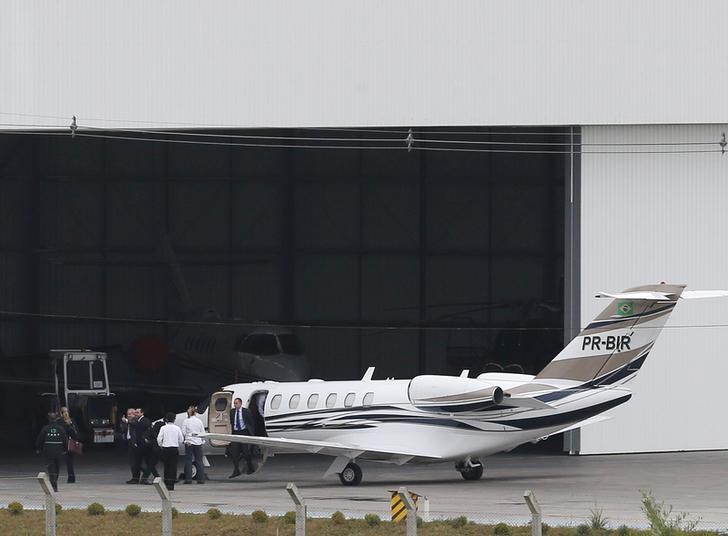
71,480
187,482
200,481
133,481
235,473
54,486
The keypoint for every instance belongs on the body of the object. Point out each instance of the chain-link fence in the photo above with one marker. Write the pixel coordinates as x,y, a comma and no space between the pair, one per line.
564,520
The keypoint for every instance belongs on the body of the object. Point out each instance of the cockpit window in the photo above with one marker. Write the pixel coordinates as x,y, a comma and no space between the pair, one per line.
260,344
290,344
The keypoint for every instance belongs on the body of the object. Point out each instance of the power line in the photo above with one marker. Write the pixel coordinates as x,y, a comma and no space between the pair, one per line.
240,324
348,143
385,130
243,324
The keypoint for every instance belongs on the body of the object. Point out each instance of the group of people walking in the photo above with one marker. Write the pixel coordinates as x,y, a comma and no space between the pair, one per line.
149,442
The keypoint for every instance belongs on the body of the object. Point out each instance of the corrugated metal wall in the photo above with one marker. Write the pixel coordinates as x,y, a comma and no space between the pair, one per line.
661,217
333,63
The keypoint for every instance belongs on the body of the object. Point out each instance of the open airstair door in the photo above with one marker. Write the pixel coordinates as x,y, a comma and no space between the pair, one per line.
218,416
256,406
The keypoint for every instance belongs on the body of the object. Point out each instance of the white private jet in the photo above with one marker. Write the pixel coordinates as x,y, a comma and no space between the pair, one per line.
434,418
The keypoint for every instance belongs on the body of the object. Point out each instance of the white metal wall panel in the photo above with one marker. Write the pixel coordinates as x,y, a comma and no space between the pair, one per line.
661,217
328,62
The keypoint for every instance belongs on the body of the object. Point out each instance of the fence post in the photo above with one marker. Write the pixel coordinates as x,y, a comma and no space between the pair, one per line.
300,508
426,509
535,512
411,511
50,504
166,506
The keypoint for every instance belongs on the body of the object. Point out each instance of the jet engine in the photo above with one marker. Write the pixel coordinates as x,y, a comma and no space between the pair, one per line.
452,394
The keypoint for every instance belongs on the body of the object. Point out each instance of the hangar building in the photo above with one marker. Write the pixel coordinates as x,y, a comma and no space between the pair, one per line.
418,186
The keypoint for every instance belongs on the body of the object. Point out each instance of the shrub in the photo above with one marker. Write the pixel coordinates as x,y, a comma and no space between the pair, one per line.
420,521
15,508
133,510
214,513
259,516
458,522
583,530
501,529
597,519
289,518
175,513
337,518
96,509
662,521
59,508
545,528
373,520
623,530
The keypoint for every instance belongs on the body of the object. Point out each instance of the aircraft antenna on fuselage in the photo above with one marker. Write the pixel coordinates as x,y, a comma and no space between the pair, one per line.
368,375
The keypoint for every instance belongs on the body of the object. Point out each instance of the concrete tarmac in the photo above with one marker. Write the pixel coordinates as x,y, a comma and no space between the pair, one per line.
567,487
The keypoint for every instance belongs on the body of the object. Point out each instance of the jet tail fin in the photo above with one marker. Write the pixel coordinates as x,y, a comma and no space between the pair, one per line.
613,346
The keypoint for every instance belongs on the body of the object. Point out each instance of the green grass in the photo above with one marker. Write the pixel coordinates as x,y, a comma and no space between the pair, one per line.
75,522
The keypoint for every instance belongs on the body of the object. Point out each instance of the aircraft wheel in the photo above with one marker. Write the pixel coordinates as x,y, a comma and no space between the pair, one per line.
351,475
474,472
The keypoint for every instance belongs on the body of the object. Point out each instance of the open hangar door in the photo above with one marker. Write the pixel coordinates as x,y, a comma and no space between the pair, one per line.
443,257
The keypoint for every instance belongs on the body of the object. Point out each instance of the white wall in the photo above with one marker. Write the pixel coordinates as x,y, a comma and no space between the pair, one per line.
652,218
343,63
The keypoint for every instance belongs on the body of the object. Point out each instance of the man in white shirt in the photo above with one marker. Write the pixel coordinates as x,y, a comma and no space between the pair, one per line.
170,438
191,426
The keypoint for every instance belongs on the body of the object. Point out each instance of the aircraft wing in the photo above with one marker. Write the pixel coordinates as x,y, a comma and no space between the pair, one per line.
338,450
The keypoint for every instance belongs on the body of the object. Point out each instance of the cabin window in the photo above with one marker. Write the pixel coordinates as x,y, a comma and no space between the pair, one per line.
313,400
276,402
331,400
368,399
349,400
293,402
221,404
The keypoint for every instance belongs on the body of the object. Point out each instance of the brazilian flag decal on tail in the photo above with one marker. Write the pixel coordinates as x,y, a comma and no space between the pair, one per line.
625,308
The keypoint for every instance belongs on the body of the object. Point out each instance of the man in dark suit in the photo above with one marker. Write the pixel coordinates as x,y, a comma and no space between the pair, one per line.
134,442
148,460
241,423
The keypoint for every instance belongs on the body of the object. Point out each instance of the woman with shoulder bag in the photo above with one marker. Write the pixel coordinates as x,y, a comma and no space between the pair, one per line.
72,434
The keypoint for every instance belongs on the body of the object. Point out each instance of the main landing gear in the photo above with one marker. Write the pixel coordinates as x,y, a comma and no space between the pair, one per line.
351,475
470,469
